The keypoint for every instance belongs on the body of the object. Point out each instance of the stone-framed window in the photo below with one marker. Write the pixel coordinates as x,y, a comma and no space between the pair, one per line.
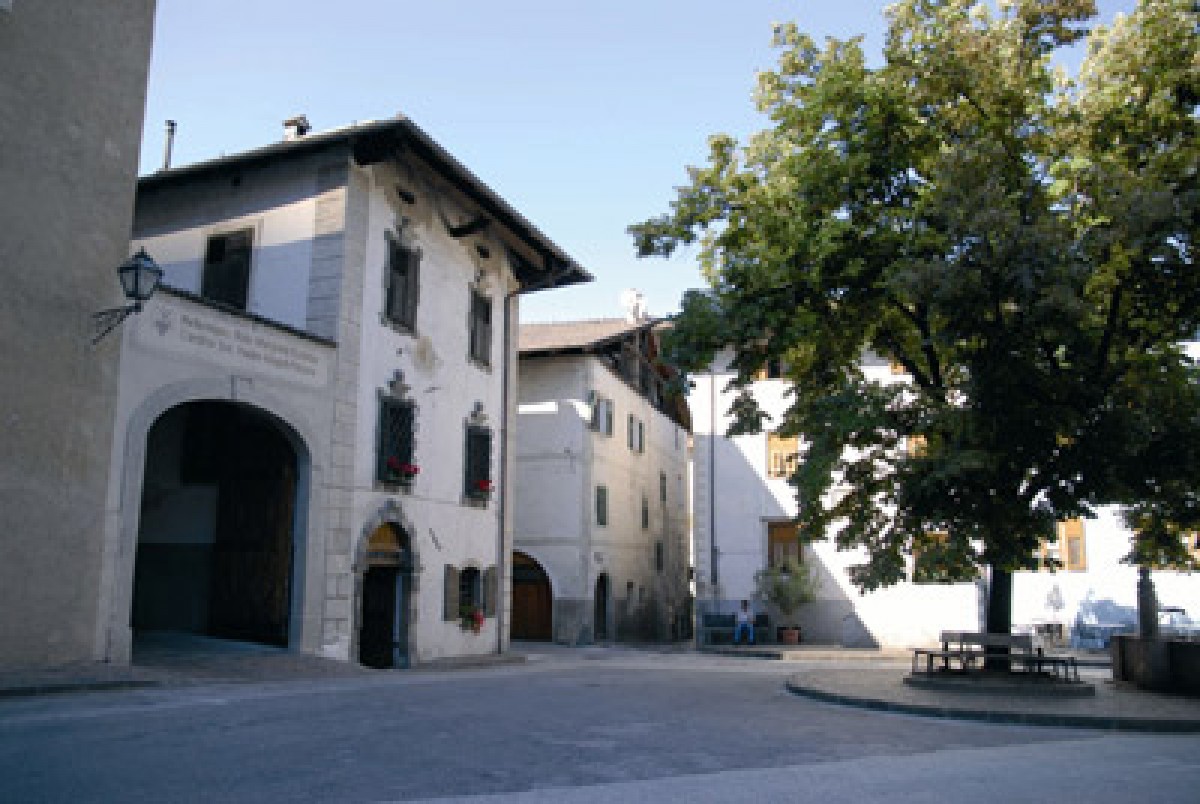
225,278
395,461
477,465
403,284
480,347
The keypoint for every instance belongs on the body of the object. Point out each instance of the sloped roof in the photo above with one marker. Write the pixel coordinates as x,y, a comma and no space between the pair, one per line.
375,140
567,336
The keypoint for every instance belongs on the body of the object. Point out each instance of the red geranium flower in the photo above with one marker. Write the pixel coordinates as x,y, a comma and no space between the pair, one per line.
483,485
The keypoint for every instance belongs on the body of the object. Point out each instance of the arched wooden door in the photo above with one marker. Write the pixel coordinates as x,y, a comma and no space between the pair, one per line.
383,629
532,600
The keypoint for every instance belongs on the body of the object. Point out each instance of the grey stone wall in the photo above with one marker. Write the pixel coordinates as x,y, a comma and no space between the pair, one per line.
71,105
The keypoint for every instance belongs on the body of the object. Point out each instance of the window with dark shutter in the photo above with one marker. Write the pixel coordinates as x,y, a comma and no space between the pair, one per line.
394,463
645,513
478,474
602,506
450,594
403,284
491,582
481,328
470,595
226,276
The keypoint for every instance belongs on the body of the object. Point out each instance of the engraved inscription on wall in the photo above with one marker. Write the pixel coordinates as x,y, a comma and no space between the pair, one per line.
236,343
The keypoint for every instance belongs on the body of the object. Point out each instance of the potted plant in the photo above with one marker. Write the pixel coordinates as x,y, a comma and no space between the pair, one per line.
788,586
470,618
400,472
482,489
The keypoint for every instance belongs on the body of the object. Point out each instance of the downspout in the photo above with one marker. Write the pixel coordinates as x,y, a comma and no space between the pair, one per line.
712,497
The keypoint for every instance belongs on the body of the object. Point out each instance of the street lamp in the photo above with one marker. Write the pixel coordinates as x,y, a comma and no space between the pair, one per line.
139,277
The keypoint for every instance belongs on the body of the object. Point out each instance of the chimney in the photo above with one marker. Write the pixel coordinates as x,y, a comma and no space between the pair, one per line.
170,143
296,127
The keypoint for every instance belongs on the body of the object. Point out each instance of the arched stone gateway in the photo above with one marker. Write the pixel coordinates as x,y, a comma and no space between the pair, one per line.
386,590
532,600
217,525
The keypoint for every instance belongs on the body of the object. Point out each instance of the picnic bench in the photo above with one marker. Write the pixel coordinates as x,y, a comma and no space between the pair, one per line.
967,648
718,629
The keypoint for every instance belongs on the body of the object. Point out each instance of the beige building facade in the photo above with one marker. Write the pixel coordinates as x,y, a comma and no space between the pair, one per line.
71,105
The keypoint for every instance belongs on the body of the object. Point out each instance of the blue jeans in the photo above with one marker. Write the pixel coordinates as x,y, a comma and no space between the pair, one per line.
743,628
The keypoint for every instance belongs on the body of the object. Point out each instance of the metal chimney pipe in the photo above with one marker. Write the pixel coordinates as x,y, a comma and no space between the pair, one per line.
169,144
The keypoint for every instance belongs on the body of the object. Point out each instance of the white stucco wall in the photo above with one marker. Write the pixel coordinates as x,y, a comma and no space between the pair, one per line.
561,461
906,614
447,388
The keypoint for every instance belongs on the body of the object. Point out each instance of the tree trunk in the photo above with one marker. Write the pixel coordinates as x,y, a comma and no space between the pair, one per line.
1147,602
999,616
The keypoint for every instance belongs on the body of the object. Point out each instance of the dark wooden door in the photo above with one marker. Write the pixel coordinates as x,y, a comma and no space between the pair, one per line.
532,607
376,636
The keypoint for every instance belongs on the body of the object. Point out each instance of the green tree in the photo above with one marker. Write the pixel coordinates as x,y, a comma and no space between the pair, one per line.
1020,242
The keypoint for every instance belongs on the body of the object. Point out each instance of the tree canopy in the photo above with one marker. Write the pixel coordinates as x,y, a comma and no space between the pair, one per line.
1021,241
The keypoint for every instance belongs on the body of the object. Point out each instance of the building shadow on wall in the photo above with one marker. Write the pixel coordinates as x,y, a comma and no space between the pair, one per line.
746,503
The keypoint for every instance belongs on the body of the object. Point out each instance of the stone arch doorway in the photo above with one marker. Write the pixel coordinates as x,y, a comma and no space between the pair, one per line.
216,530
600,613
386,589
532,600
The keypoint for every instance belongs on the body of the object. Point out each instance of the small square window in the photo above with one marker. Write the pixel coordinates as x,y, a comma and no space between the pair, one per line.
226,277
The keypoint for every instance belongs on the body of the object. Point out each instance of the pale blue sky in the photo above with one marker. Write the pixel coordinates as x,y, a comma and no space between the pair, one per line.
583,115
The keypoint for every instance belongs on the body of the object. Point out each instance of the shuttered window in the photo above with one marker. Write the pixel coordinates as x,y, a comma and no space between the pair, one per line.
450,598
481,328
645,513
491,591
403,284
226,277
602,506
782,543
781,455
602,415
478,468
395,452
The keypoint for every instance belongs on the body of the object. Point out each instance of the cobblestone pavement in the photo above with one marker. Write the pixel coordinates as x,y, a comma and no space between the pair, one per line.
593,724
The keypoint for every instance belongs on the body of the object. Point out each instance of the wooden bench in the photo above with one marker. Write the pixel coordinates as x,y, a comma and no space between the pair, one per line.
966,648
719,629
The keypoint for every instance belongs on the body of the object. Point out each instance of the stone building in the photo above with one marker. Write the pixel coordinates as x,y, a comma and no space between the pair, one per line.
313,440
71,103
743,512
601,533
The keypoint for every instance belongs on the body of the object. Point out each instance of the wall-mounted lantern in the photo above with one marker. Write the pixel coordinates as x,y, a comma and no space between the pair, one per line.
139,277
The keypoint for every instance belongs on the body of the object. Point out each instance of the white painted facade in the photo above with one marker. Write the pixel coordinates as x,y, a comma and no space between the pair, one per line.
561,461
314,352
735,499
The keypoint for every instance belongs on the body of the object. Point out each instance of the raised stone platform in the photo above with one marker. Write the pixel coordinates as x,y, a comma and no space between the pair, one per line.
1038,685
